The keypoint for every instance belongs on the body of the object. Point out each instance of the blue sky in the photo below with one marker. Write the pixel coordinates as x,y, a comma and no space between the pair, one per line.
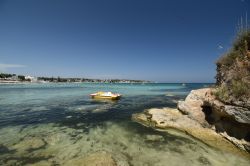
158,40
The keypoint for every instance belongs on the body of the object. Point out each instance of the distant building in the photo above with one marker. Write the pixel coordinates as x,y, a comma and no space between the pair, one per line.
32,79
14,78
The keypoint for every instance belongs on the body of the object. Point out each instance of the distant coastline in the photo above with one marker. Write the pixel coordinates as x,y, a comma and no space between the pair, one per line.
6,78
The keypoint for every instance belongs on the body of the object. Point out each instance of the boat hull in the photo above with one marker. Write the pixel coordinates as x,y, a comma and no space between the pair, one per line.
106,97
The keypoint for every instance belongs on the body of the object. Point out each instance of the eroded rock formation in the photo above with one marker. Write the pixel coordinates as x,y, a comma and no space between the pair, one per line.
232,122
204,117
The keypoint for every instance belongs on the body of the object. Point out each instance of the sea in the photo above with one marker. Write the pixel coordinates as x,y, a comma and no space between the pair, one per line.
53,123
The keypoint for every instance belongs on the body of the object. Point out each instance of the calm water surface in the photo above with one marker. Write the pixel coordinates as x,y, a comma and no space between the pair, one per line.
50,124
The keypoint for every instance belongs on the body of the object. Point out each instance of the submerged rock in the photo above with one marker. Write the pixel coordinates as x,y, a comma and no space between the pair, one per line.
29,143
99,158
154,138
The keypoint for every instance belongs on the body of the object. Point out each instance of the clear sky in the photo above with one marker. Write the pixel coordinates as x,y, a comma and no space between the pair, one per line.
159,40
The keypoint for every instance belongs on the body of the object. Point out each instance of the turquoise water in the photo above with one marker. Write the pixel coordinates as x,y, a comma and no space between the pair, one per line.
50,124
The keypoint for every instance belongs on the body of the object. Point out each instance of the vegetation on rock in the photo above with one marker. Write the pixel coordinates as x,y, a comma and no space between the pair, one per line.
233,72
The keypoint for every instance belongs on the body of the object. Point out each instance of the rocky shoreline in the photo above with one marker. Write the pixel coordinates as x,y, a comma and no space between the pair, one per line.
202,116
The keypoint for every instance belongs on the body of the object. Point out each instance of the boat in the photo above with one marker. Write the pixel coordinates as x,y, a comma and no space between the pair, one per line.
105,95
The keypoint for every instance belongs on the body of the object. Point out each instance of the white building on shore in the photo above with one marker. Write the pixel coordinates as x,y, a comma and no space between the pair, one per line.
32,79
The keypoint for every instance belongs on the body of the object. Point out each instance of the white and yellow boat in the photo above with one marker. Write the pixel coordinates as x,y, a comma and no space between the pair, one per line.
106,95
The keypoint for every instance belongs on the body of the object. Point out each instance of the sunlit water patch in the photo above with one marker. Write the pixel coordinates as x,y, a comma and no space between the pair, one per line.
53,124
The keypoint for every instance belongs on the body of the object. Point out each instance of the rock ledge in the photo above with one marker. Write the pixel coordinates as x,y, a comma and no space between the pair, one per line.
205,118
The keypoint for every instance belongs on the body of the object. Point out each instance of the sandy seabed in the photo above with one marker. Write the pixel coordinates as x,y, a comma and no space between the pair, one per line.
51,144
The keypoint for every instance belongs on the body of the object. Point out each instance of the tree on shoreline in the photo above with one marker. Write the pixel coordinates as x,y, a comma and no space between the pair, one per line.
21,77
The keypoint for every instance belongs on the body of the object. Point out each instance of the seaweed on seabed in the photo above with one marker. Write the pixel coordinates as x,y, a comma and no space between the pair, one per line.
204,161
25,160
5,150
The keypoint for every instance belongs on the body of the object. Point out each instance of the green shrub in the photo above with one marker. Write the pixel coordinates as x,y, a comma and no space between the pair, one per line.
240,47
236,90
233,71
228,59
240,89
222,93
242,42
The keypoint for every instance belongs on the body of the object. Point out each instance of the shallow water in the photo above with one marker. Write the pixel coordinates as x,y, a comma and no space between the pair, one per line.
49,124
